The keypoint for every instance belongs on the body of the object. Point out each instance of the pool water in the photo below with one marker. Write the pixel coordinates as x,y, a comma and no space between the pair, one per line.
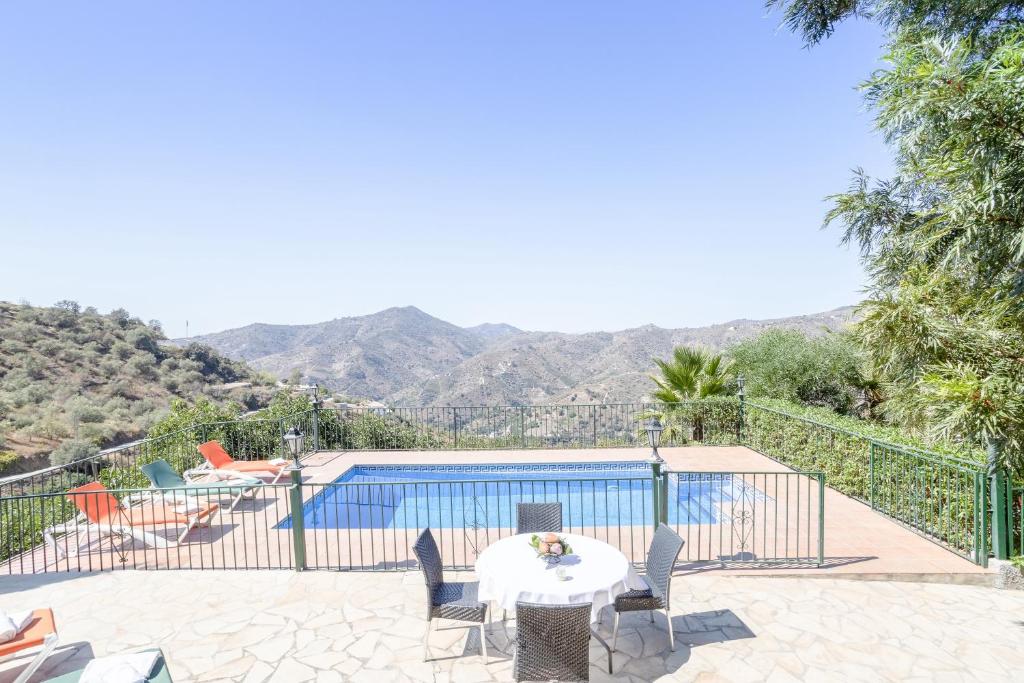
485,496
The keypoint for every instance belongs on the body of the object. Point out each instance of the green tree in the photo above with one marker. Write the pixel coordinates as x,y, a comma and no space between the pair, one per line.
184,414
821,371
690,374
943,239
72,450
817,19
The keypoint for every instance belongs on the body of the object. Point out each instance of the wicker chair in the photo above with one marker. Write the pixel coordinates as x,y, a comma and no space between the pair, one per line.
454,600
661,560
553,643
537,517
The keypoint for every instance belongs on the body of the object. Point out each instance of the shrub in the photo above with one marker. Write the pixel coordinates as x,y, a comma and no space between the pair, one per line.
142,365
144,339
71,451
789,365
7,458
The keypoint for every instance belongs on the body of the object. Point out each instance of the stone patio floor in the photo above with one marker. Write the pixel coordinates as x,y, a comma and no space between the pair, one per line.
330,626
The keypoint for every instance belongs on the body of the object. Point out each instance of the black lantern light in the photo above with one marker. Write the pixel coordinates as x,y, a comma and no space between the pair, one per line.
740,381
654,430
295,439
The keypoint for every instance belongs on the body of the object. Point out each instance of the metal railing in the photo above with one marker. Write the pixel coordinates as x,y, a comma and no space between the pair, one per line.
449,428
755,518
942,497
144,529
1015,521
371,526
521,427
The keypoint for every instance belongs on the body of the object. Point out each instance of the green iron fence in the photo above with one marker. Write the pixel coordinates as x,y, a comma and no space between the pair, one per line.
726,518
942,497
1015,517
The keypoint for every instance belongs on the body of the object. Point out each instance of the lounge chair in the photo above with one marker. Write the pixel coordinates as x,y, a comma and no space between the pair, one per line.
40,632
220,464
159,674
172,487
100,514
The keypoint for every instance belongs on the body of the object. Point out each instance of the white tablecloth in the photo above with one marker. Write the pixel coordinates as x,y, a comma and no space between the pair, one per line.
509,571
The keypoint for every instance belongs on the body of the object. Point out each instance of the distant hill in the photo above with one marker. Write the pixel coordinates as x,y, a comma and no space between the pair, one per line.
68,373
373,356
405,356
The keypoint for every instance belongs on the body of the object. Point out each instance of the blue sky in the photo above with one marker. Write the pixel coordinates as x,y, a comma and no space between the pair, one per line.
572,166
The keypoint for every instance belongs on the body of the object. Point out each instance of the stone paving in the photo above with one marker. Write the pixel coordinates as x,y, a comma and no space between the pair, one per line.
283,626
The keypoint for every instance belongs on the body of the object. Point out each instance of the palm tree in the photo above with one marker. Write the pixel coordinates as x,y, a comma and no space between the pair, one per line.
691,374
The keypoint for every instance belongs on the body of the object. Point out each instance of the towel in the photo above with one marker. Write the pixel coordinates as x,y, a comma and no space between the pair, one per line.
278,461
13,623
129,668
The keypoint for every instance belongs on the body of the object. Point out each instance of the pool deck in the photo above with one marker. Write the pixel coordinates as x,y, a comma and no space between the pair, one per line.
333,627
858,541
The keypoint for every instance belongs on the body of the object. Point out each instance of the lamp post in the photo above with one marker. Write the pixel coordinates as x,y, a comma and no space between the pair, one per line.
294,440
653,428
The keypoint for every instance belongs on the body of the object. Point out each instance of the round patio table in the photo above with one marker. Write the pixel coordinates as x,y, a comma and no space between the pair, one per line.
510,571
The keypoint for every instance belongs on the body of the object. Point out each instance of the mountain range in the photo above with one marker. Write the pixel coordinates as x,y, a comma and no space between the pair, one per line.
404,356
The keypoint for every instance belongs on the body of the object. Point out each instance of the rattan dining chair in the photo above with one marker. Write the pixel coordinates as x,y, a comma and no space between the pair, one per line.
455,600
553,643
538,517
661,560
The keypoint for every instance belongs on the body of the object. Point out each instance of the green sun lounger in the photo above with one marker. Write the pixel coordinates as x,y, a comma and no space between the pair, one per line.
163,478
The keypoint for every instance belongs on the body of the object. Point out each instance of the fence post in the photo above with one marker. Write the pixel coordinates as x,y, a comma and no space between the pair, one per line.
740,382
455,426
997,476
298,522
663,497
821,518
281,447
317,403
656,492
871,474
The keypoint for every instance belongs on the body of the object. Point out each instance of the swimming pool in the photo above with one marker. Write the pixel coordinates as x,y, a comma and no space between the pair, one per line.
485,496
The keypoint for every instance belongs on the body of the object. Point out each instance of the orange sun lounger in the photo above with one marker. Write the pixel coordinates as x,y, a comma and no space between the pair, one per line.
100,514
40,632
219,461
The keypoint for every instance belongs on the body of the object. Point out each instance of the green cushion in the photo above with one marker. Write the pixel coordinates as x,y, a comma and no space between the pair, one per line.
162,475
160,673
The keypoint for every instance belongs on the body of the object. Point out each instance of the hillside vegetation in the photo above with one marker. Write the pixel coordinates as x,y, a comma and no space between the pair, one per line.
73,380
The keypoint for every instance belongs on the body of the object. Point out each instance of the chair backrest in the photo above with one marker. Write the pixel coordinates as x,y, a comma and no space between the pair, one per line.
161,475
215,454
552,642
661,559
538,517
429,558
94,501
